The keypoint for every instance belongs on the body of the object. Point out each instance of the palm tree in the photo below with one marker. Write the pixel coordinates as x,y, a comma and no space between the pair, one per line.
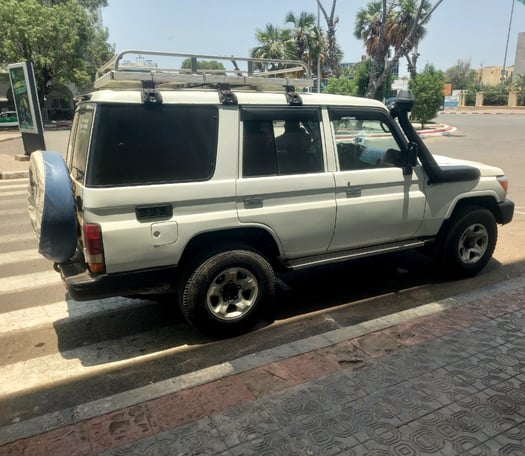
406,21
308,37
333,51
398,25
303,31
275,43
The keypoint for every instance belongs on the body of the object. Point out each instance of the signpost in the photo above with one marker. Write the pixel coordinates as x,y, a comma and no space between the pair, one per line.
27,107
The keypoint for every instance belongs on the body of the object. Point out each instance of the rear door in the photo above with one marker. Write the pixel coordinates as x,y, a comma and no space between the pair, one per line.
283,184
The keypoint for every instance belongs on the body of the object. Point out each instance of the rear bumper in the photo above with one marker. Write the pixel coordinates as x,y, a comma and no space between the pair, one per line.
505,212
83,286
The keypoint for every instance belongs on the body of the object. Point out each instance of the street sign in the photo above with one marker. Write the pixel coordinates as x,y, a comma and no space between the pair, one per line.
25,96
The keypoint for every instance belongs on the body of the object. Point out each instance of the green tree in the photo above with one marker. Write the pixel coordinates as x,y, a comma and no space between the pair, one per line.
341,86
461,75
427,88
203,64
392,29
61,38
303,33
274,43
334,54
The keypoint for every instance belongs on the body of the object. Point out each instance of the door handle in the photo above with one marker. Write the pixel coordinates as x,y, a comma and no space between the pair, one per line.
353,192
253,202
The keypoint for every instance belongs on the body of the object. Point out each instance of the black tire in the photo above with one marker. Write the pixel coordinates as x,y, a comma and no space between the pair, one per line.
225,294
469,242
52,207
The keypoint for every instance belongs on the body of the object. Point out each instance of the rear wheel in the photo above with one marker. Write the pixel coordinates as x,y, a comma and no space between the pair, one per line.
225,293
470,242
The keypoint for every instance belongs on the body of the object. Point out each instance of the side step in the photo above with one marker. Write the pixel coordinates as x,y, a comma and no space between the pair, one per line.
344,255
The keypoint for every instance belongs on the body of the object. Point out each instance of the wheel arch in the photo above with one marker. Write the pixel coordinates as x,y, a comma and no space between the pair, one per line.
256,237
485,202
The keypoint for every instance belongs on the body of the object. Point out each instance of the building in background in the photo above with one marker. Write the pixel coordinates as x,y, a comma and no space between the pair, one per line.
519,60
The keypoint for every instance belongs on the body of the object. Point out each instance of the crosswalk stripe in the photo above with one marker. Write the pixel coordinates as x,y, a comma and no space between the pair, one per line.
9,212
17,237
26,282
26,224
81,362
25,319
14,182
19,256
13,193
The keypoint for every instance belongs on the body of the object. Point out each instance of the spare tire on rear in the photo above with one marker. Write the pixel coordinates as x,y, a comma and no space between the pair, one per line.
52,206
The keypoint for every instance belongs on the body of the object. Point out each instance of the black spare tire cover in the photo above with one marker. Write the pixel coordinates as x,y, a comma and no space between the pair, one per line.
52,206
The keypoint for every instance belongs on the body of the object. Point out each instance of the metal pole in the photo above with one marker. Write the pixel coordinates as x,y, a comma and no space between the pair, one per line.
319,56
503,71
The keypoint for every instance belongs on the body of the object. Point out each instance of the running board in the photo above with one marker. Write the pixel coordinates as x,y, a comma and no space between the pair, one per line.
317,260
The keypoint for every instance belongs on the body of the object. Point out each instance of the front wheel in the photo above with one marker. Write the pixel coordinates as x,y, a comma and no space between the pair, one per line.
225,294
470,242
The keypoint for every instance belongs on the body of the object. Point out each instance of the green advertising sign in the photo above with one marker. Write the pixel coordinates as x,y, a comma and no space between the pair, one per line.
27,107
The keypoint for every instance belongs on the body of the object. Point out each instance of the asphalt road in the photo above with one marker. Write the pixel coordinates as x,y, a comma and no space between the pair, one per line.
68,353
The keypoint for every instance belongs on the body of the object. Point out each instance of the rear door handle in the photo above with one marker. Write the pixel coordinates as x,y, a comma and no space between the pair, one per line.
253,202
353,192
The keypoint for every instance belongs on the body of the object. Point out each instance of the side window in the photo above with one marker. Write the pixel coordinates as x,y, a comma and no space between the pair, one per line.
136,144
79,147
281,142
364,142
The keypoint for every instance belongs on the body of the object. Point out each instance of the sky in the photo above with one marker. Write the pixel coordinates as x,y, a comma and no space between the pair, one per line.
471,30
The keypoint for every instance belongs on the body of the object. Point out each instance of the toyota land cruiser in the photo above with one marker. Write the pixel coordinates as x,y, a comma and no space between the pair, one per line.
211,182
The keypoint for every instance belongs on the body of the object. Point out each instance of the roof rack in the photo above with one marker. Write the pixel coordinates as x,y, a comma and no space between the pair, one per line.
167,73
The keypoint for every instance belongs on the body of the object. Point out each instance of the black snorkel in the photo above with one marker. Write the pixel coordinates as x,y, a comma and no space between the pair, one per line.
400,108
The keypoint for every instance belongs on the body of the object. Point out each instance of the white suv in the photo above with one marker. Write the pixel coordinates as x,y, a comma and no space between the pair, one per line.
209,182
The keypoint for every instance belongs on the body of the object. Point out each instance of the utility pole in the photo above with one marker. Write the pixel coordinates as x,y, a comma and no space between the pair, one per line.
504,71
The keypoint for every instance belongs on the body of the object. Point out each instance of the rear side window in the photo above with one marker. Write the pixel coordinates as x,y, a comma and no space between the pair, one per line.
139,144
78,148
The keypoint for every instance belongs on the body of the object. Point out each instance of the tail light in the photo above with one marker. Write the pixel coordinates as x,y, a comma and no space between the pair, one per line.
94,248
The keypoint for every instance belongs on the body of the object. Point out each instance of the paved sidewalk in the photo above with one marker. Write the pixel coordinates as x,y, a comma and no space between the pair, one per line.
446,378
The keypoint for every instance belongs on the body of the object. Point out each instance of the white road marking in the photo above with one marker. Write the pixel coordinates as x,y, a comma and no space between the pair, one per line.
17,237
8,212
19,256
31,281
26,319
41,372
22,193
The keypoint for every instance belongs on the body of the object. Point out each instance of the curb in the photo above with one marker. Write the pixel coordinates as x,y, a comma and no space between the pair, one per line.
90,410
442,131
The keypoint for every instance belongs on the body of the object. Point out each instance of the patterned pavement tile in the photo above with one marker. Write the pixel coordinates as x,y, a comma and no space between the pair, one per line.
275,444
410,362
335,390
285,406
195,439
441,351
243,424
375,377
